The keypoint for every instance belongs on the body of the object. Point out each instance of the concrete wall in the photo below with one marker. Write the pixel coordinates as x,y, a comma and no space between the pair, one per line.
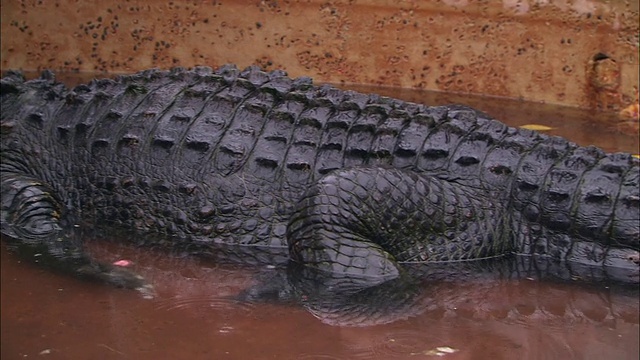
574,52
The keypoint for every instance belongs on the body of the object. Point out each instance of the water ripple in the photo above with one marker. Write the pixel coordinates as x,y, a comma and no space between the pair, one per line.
400,343
204,302
318,356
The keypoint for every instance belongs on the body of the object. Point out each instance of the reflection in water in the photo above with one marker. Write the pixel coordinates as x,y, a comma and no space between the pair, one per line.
203,310
207,310
509,289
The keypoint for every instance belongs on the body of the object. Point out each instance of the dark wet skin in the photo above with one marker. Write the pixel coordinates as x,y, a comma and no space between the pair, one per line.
352,184
195,314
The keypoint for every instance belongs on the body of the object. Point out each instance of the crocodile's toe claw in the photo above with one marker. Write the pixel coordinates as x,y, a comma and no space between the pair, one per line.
117,276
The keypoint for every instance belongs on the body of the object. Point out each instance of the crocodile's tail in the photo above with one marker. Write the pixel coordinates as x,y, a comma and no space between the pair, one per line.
578,204
607,210
586,194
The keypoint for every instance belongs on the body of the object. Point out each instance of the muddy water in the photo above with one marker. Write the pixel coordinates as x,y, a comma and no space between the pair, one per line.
195,314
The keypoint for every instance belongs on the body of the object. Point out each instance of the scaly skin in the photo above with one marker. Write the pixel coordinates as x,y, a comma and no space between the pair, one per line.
349,183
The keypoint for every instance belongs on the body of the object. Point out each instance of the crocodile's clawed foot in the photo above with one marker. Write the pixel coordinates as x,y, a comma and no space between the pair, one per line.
118,276
147,291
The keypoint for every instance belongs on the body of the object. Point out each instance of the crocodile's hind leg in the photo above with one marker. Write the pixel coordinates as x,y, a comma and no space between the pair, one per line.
30,218
362,222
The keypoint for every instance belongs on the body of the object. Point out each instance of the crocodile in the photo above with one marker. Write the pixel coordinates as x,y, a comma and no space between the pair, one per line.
344,183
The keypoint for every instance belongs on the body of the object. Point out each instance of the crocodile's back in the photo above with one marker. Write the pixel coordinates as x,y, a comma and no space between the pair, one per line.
171,151
224,122
164,152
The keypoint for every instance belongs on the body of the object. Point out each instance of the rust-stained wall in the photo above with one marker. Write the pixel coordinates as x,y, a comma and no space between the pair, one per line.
573,52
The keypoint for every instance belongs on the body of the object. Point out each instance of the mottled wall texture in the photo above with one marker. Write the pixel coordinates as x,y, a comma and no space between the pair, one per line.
574,52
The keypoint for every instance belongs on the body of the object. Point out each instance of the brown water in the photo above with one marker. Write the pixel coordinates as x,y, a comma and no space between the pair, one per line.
193,316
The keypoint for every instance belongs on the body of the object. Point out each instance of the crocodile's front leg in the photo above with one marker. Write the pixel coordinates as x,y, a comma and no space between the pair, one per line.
30,217
362,222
